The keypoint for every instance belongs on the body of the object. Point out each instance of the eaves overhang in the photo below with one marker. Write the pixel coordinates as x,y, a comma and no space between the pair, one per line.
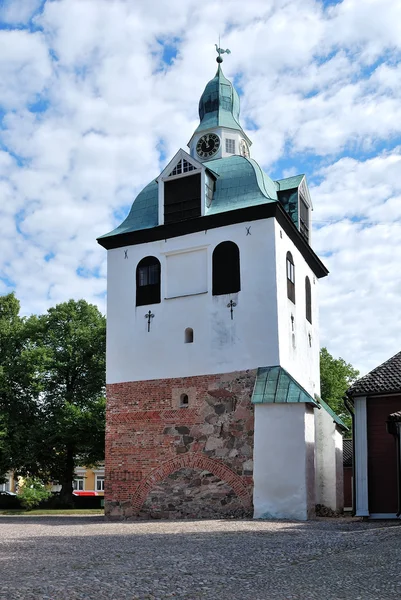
230,217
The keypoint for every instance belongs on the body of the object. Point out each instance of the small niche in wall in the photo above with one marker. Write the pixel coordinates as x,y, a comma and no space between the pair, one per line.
189,335
184,400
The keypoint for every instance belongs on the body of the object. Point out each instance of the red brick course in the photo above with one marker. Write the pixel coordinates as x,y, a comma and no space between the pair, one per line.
149,437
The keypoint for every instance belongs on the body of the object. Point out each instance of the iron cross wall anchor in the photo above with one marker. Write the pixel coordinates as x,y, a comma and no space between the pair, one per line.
149,316
231,305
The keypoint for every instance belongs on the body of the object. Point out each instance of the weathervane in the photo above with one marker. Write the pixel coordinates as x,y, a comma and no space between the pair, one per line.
221,51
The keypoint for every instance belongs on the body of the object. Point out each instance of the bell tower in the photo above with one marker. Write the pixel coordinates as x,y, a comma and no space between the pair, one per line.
213,336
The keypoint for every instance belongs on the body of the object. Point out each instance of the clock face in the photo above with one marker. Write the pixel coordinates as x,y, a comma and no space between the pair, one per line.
208,145
244,149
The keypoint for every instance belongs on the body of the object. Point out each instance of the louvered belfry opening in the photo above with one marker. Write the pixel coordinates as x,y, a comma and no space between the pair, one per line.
182,198
226,269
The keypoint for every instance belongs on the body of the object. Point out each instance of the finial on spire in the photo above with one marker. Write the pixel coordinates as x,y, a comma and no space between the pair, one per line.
221,51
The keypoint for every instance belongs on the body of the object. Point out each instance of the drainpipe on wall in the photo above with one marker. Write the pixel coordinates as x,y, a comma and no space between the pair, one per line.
350,408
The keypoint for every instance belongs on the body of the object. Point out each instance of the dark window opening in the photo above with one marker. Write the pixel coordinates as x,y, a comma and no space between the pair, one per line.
182,198
290,277
304,219
148,281
184,400
308,300
189,335
226,269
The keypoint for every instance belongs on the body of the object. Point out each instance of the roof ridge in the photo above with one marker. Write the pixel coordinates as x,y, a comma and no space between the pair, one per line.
390,370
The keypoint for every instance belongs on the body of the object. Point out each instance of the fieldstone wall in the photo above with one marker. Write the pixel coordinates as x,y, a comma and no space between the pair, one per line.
165,460
193,494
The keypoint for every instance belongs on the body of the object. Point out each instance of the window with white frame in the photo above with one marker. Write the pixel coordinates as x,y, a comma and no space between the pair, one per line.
100,483
183,166
5,487
290,277
230,146
78,484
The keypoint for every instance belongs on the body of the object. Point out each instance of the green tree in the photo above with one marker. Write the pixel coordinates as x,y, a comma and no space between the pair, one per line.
19,385
52,383
71,338
31,492
336,376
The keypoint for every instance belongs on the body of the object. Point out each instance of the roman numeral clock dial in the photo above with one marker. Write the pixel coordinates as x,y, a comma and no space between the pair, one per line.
208,145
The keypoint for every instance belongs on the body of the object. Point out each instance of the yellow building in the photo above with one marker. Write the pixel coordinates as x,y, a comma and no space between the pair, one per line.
87,482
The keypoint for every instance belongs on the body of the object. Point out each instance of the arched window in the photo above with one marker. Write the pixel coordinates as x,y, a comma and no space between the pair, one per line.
184,400
148,281
189,335
308,300
226,269
290,277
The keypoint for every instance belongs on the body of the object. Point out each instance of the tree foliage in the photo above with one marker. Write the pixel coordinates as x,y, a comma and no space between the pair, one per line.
58,380
336,376
32,492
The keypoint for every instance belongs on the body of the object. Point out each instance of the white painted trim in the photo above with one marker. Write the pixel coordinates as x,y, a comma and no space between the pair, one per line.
186,295
384,516
185,250
361,458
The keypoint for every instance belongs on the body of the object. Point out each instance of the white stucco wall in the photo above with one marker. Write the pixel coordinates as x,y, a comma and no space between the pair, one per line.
284,483
220,344
297,355
329,463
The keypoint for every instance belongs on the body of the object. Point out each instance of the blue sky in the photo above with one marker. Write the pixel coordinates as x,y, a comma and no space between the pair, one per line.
97,96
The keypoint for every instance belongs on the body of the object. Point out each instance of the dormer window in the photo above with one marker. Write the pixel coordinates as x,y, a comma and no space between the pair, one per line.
303,218
183,166
186,189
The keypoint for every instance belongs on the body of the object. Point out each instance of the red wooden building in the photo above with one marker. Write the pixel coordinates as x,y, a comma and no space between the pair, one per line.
376,406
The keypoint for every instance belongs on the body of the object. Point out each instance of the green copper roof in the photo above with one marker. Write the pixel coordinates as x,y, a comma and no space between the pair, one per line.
289,183
240,182
219,104
143,213
274,384
331,412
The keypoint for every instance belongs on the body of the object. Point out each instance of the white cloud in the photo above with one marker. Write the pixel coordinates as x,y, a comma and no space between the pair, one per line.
25,67
18,12
321,84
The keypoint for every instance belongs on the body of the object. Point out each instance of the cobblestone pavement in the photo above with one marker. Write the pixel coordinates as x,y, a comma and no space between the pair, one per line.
57,558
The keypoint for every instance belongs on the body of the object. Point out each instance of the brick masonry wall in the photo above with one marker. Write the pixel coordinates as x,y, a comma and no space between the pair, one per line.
164,460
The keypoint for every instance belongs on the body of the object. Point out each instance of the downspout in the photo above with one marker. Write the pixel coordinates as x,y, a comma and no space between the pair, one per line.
350,408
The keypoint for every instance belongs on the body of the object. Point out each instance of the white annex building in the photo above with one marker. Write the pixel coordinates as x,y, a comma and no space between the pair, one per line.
213,402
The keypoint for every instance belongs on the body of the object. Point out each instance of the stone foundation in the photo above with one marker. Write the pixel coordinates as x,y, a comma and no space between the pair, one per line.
192,494
164,460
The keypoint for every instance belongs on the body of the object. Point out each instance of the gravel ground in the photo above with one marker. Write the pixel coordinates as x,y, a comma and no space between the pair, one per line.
57,558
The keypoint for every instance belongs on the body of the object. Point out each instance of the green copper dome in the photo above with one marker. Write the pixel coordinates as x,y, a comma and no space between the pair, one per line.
219,104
